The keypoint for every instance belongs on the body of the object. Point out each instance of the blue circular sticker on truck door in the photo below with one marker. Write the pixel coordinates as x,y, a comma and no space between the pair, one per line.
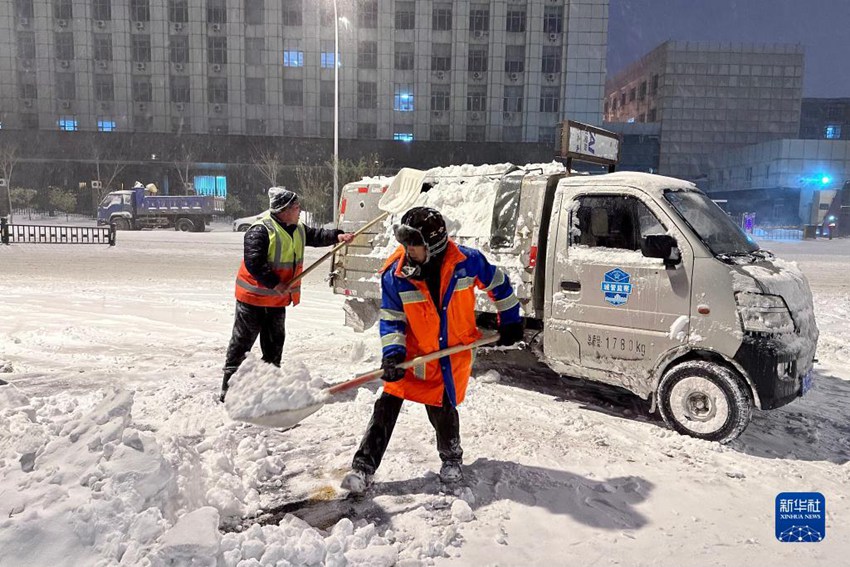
617,287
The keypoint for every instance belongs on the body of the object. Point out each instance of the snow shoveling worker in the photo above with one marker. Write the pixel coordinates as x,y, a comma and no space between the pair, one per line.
273,255
428,304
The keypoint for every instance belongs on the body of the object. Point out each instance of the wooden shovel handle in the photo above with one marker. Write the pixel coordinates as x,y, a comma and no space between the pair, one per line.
334,250
368,377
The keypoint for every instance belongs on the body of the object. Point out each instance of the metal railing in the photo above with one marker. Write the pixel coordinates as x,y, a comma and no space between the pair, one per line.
38,234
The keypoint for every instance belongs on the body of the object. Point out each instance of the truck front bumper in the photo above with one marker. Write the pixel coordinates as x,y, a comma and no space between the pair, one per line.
777,367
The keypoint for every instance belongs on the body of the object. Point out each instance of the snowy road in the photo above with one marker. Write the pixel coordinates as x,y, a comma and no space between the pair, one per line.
560,471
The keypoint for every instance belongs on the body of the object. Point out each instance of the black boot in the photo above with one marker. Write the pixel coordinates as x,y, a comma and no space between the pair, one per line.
227,374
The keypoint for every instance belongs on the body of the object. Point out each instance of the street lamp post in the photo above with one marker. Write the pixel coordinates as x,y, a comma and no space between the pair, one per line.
336,114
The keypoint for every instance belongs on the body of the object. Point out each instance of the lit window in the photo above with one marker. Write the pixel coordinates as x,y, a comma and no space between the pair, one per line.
832,132
105,125
328,60
403,136
293,58
67,124
403,101
215,185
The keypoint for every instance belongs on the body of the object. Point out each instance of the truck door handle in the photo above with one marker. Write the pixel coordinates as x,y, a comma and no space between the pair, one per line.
571,286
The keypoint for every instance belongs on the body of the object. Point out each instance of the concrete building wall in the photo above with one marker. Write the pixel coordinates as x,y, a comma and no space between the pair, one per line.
265,67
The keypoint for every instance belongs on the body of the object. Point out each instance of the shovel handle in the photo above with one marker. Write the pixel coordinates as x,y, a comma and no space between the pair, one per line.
336,248
368,377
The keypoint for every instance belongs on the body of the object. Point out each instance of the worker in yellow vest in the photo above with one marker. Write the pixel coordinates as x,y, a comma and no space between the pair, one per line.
273,255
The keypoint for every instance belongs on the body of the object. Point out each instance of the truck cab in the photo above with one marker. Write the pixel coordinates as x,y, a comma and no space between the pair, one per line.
114,206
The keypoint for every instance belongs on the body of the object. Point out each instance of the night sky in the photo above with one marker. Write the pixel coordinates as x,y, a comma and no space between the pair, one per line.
821,26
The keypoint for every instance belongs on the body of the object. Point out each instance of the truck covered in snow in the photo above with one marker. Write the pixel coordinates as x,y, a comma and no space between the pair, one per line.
630,279
134,209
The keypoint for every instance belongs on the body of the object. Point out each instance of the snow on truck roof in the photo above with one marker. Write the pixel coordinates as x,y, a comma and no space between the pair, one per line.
649,182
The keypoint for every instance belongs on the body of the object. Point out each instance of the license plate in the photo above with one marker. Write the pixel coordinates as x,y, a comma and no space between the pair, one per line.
808,380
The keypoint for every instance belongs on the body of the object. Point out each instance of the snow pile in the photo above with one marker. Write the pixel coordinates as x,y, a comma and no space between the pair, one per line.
259,389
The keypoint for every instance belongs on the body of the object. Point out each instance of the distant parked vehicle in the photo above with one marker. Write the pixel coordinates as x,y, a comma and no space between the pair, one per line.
133,209
244,223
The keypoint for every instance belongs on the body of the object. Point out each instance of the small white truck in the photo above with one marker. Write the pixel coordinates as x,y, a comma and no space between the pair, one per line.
635,280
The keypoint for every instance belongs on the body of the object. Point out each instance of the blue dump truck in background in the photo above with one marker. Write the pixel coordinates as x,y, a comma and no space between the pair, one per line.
133,209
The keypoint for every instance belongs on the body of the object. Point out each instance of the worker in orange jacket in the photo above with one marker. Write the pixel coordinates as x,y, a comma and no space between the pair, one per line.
428,304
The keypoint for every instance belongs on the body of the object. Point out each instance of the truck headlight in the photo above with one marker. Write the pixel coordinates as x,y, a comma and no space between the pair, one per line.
761,313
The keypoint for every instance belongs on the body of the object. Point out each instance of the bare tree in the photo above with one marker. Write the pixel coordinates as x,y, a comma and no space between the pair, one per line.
316,186
108,166
183,163
8,160
269,164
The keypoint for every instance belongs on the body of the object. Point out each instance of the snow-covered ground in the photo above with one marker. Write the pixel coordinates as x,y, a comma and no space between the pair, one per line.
114,450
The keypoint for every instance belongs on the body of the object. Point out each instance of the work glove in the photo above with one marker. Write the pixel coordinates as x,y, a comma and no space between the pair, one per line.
510,334
389,364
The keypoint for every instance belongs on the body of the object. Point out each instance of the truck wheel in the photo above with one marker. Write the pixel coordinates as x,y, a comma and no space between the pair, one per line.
704,400
199,225
184,225
121,224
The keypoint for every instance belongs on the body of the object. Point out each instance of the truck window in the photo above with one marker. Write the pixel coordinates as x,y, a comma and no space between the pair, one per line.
614,222
506,212
110,200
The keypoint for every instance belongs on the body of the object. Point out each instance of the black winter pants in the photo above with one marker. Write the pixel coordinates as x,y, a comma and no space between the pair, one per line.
444,419
250,321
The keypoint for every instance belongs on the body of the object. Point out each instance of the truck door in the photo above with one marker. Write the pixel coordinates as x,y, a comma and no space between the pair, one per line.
622,309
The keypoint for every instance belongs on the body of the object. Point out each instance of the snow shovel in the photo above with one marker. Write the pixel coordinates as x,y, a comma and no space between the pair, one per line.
289,418
400,196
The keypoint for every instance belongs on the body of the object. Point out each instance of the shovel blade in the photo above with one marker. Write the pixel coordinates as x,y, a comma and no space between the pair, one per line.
403,191
283,419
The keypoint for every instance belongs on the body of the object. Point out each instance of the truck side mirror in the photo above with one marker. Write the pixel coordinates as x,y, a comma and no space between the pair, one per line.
661,246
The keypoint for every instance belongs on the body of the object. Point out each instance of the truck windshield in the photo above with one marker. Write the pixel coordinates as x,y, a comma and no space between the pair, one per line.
711,224
110,200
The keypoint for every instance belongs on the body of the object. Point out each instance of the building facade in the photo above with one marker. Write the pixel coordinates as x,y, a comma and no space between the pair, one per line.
778,179
487,71
709,96
825,119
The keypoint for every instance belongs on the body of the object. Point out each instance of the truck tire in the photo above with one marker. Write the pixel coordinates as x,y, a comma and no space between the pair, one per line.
200,226
704,400
184,225
121,223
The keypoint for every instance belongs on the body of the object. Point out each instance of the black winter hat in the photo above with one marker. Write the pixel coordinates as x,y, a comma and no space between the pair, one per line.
281,198
423,226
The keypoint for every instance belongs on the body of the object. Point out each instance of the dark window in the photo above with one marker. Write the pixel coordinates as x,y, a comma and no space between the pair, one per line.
142,89
326,129
103,88
27,89
551,59
442,17
505,212
550,99
403,56
367,130
179,89
405,15
367,14
255,12
140,10
326,94
255,126
642,91
64,46
653,88
367,95
254,48
513,99
475,133
476,98
441,57
514,58
440,132
216,12
143,123
217,50
178,11
217,90
103,47
367,55
440,97
29,121
218,126
553,19
478,59
102,10
632,94
141,48
292,12
293,92
178,46
613,222
479,18
547,135
62,9
66,86
653,115
23,9
622,99
515,22
255,91
26,45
